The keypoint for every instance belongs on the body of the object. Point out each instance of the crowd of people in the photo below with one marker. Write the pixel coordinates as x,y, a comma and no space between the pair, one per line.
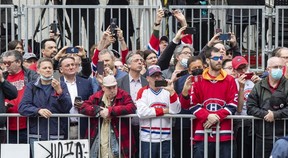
167,78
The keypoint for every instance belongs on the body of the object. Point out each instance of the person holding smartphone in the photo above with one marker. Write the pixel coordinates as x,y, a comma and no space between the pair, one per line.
44,97
211,100
153,101
245,81
80,89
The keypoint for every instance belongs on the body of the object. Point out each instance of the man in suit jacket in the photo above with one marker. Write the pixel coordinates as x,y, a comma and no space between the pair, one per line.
131,83
79,88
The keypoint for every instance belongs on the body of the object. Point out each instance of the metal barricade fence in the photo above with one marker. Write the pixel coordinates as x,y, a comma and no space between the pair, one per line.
248,22
236,147
280,23
75,27
8,29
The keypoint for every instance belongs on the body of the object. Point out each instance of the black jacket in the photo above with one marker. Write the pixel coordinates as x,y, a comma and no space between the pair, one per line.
7,91
257,102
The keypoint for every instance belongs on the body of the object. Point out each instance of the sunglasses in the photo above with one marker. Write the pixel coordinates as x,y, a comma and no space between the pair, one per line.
216,58
228,53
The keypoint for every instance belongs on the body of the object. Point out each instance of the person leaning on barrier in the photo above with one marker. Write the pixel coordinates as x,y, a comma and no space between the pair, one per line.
154,101
9,92
42,98
268,100
211,100
77,87
18,76
113,134
245,81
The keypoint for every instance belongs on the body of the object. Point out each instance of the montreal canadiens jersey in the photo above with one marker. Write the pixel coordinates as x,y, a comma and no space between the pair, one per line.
212,97
150,105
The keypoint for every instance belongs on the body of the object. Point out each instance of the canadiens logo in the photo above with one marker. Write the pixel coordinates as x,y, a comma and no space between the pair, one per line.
214,104
158,105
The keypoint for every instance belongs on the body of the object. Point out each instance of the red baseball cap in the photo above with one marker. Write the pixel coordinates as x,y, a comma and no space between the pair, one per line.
237,61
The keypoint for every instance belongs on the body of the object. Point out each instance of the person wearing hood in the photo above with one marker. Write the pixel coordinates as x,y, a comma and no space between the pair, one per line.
211,99
261,103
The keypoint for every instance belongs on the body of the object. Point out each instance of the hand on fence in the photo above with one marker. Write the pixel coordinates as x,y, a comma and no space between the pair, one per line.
213,118
45,113
269,117
104,113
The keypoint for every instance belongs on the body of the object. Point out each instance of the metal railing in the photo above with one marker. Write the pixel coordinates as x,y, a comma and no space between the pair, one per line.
241,122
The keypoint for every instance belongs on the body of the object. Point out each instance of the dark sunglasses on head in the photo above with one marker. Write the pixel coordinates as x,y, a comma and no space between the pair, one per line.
216,58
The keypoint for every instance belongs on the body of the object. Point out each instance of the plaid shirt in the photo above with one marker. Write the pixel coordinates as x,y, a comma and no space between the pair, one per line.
123,105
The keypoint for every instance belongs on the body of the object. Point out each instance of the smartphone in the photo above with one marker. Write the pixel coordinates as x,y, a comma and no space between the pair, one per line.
225,37
182,73
113,25
77,99
53,27
100,67
190,30
249,75
161,83
218,30
72,50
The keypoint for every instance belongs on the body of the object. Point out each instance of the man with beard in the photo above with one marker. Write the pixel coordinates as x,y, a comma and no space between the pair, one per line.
49,50
211,100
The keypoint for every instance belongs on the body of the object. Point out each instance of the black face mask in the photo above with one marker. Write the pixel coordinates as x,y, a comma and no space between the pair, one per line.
197,72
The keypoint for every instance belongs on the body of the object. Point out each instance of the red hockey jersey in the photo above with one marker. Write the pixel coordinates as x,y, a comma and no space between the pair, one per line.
212,96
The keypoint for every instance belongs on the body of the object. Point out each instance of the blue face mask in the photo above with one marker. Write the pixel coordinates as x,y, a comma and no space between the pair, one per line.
276,73
183,62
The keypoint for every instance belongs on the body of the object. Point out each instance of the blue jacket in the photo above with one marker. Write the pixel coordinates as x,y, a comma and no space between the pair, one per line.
34,99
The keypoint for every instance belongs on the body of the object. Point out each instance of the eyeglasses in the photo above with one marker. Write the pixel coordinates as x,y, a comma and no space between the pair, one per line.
228,53
276,67
216,58
186,53
8,63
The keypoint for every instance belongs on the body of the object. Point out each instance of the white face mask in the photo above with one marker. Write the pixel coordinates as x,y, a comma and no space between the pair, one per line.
183,62
46,78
